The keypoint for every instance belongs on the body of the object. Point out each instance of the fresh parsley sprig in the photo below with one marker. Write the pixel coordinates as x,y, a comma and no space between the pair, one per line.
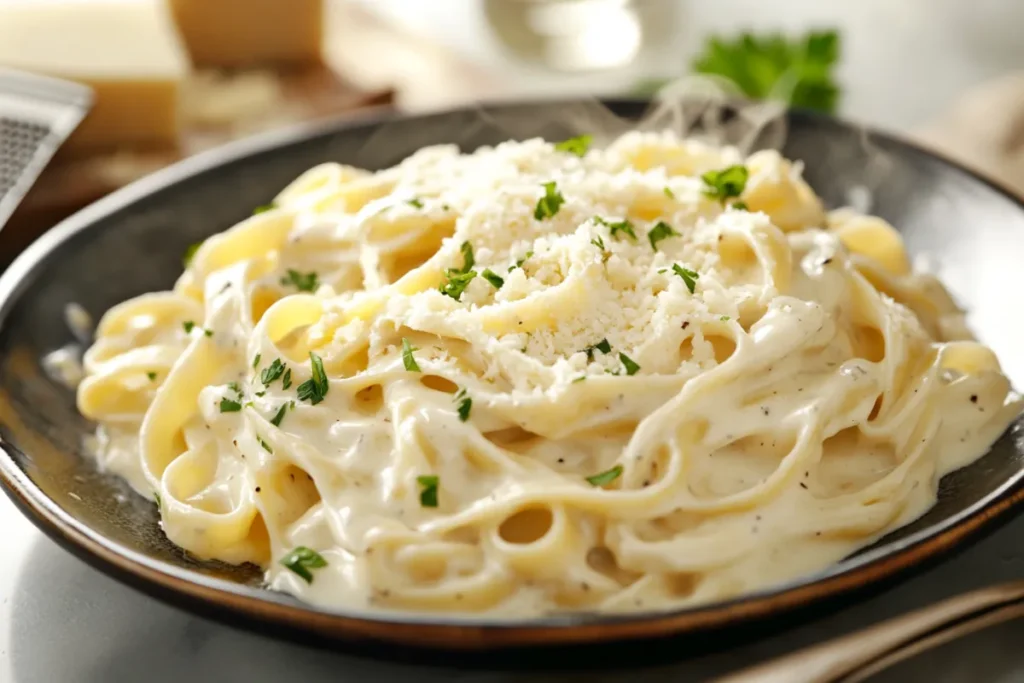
314,389
301,560
577,145
550,203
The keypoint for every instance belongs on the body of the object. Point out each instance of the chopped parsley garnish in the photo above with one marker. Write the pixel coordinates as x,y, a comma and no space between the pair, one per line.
407,358
465,405
631,367
550,203
304,282
302,559
659,232
724,318
415,202
618,226
272,372
314,389
229,406
286,381
189,326
760,65
190,253
151,376
276,420
520,262
263,208
579,379
689,276
265,445
726,183
603,346
599,243
468,260
233,386
428,490
256,361
740,206
457,283
577,145
208,333
493,278
668,192
606,477
156,498
261,394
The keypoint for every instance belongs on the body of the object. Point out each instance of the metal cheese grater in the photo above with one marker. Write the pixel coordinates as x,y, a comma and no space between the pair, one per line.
37,114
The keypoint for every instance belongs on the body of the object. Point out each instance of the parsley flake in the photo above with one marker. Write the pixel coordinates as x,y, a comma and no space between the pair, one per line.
465,405
740,206
468,260
286,381
229,406
415,202
631,367
304,282
151,376
189,326
407,358
263,208
496,280
190,254
689,276
724,318
726,183
606,477
256,361
265,445
579,379
314,389
157,500
618,226
668,192
659,232
279,416
457,283
577,145
301,560
272,372
428,490
550,203
520,262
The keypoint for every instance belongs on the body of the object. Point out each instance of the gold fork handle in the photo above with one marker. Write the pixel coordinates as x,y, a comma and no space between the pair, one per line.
855,656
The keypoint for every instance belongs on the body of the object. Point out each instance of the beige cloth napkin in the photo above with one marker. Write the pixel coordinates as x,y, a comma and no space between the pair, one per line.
984,129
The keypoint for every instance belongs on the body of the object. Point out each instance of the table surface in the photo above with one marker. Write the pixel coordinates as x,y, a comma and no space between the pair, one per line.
63,622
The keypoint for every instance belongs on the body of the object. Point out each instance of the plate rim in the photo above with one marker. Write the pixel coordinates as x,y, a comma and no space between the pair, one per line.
223,599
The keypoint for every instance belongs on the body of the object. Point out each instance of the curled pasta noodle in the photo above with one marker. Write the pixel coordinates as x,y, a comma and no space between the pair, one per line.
521,380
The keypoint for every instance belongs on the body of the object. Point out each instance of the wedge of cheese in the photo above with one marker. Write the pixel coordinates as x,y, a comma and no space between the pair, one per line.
128,51
243,33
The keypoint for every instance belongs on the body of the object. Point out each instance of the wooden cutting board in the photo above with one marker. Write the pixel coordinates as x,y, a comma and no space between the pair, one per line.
217,108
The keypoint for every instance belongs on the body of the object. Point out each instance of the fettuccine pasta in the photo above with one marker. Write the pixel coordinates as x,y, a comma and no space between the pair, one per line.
538,378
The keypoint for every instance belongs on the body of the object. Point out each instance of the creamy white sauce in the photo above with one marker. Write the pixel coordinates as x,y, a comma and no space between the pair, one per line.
803,400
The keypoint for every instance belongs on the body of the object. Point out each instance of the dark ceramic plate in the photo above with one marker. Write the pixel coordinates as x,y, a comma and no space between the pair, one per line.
132,241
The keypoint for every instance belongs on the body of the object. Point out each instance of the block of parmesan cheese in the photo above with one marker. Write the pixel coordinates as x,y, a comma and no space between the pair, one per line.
243,33
128,51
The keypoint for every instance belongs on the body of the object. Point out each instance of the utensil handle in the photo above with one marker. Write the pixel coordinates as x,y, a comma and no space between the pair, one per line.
857,655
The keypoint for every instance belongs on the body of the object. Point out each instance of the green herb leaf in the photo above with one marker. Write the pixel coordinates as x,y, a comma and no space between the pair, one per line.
286,381
550,203
233,386
689,276
468,261
493,278
669,193
256,361
798,71
457,283
520,262
190,254
158,500
726,183
428,490
315,389
304,282
301,560
631,367
263,208
265,445
659,232
740,206
272,372
189,326
465,405
724,318
151,376
407,358
415,202
579,379
577,145
603,346
229,406
606,477
279,416
617,227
